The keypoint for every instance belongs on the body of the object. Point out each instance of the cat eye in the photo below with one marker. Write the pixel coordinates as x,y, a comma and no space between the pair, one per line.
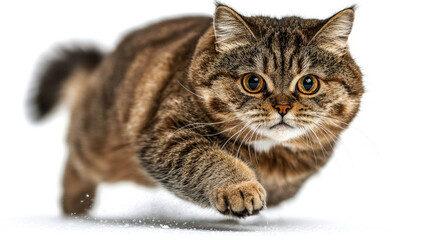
253,83
308,84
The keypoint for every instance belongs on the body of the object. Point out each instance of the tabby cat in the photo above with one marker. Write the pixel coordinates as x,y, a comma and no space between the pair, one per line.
230,112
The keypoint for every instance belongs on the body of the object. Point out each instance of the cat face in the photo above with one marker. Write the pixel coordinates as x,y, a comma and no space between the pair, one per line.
281,79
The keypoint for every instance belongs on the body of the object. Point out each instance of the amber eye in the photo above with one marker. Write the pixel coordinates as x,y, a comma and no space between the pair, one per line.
253,83
308,84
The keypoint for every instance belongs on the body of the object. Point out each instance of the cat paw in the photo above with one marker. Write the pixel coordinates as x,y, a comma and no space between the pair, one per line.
240,200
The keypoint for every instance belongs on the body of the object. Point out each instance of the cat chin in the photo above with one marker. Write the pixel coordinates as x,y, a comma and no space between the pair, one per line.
280,135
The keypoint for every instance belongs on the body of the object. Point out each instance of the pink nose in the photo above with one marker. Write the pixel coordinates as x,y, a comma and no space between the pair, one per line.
282,109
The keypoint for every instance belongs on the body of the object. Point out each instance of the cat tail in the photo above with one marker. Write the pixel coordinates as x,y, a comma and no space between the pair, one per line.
61,77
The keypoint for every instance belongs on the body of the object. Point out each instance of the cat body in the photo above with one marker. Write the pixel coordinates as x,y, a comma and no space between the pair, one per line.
173,106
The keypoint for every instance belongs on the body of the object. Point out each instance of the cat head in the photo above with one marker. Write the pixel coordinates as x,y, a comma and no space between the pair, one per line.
284,79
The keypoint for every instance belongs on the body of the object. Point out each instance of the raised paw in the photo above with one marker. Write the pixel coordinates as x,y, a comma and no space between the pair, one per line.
240,200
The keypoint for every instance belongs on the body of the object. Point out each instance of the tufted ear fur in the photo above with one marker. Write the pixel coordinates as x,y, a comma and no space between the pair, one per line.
334,34
230,29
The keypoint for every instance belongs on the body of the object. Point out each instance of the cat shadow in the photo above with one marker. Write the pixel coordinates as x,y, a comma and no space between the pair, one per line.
161,221
154,214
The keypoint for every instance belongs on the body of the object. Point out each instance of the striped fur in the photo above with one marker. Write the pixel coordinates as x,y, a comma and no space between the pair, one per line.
167,108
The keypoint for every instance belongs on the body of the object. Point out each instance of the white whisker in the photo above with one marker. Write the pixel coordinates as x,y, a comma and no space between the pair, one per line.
307,136
190,90
318,140
234,135
226,130
242,142
205,124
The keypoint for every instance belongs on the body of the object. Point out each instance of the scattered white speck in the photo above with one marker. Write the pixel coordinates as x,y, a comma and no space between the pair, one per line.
81,201
164,226
87,195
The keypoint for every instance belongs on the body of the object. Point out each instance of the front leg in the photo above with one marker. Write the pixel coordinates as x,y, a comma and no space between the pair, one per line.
198,170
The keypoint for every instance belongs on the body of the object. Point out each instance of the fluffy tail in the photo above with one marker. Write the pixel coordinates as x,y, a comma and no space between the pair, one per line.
57,72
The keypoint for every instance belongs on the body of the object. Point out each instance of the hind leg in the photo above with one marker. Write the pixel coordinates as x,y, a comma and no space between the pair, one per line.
78,192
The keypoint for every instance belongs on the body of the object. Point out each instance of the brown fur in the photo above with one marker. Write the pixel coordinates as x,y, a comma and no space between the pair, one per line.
166,108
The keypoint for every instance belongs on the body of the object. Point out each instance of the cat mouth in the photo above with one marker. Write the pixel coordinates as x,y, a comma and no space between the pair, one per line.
281,124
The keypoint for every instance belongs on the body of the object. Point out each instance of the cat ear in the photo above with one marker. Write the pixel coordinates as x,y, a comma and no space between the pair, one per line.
334,34
230,29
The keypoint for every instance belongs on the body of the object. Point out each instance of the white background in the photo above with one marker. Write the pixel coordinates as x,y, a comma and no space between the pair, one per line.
374,186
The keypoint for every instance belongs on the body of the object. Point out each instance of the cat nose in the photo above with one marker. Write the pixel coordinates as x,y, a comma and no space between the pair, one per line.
282,109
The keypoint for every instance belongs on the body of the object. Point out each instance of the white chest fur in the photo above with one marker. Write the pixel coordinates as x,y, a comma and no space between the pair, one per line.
275,137
264,145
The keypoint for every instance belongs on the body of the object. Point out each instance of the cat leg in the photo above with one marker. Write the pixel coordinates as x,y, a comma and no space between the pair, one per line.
239,199
198,170
78,192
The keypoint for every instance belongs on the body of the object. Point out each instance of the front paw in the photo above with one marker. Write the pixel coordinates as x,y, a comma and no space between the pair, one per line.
239,200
